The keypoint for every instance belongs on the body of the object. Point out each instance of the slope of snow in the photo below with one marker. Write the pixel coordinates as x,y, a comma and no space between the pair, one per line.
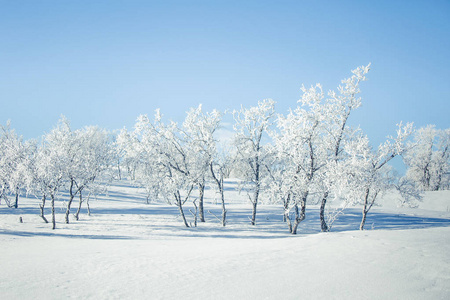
127,250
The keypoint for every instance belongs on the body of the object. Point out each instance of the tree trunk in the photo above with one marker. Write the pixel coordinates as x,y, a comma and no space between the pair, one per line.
201,190
41,206
365,210
256,194
53,211
298,220
299,216
180,207
87,204
286,206
195,213
288,219
363,220
16,203
254,205
70,202
323,222
77,214
224,211
219,182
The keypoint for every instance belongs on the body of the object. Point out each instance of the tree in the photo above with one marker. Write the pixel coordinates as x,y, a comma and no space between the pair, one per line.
408,191
168,163
428,160
338,108
251,125
368,172
198,131
217,168
92,159
299,145
13,164
50,165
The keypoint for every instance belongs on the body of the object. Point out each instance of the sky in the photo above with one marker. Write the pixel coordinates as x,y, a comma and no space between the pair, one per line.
106,62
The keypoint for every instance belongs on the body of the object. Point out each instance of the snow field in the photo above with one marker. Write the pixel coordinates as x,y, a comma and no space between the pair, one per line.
128,250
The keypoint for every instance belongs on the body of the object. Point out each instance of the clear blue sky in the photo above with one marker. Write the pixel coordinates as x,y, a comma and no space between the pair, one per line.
105,62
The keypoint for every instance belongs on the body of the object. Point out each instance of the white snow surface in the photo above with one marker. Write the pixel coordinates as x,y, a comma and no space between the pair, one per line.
128,249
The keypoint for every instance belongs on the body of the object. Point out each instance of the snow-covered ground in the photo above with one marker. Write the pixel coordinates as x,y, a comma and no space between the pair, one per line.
129,250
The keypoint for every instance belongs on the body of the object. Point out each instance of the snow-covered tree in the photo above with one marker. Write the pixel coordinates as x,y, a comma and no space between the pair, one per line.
251,126
13,165
90,156
167,166
338,107
198,132
300,146
368,173
428,160
409,193
50,163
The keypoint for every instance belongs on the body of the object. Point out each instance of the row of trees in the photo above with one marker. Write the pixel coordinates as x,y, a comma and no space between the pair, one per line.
64,160
309,156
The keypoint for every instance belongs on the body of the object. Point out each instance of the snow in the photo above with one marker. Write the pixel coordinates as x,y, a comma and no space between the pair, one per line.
127,250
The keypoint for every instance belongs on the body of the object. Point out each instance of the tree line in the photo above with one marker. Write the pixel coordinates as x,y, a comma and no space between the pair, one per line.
308,156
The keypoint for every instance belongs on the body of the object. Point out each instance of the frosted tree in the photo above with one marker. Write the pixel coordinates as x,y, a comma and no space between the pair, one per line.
169,167
85,154
299,145
198,131
428,159
50,165
251,126
369,175
13,165
338,107
442,160
136,150
409,192
93,158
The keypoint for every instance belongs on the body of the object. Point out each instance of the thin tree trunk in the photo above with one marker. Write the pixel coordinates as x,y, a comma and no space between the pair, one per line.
286,206
323,222
299,216
195,213
16,204
224,211
255,203
298,220
77,214
70,202
288,219
219,182
87,204
180,207
365,210
201,190
363,220
42,206
53,211
256,194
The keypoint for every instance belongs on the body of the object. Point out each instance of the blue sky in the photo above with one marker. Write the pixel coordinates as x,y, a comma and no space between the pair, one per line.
105,62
